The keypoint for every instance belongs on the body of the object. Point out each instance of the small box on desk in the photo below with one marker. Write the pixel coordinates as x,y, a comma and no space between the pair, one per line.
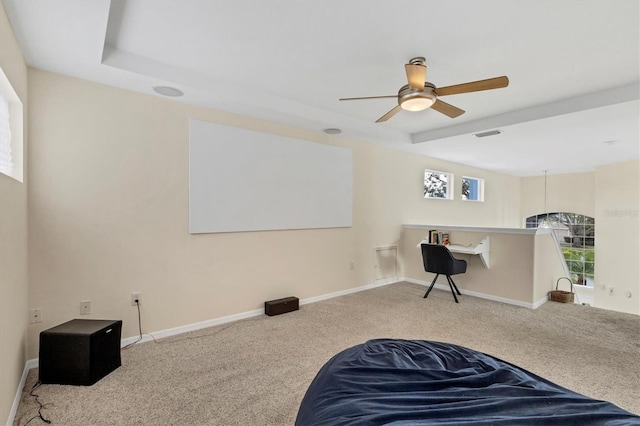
281,306
79,352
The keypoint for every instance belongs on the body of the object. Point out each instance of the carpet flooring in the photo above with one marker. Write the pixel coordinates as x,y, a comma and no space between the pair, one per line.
256,371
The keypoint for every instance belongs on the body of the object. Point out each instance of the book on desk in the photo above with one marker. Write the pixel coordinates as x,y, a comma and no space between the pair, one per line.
438,237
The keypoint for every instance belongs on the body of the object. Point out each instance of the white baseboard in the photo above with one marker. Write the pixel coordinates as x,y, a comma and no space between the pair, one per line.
32,363
378,283
481,295
243,315
192,327
147,337
540,302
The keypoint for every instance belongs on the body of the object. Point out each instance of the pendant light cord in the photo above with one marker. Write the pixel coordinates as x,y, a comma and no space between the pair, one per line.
545,192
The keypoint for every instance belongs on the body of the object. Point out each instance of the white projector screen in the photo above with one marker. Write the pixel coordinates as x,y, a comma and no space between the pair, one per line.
243,180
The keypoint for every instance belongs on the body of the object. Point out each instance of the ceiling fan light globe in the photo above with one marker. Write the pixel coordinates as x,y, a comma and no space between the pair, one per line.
417,103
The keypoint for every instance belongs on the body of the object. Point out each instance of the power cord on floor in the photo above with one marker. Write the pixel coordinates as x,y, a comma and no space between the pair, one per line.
139,327
217,329
40,405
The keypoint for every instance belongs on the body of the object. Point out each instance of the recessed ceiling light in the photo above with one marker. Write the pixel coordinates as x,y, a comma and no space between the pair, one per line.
332,131
167,91
489,133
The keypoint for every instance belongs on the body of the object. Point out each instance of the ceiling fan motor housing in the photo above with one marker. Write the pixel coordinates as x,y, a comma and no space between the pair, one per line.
417,100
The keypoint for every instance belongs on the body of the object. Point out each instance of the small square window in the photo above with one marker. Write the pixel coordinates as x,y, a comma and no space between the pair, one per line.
472,188
437,185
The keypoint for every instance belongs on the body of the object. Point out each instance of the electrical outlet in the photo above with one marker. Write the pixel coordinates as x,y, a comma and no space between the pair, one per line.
136,296
35,315
85,307
352,265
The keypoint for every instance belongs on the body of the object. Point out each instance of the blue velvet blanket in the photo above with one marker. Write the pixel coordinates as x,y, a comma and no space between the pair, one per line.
412,382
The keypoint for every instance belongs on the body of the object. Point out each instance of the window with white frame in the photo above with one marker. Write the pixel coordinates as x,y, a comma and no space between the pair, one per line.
472,188
576,234
437,185
6,161
11,128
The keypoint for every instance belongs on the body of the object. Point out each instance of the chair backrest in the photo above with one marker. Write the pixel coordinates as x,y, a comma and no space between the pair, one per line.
437,259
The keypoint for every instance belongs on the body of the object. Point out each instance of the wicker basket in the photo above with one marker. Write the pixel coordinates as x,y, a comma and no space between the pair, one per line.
561,295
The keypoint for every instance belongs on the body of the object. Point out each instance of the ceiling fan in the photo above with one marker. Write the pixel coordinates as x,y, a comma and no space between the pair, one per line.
420,94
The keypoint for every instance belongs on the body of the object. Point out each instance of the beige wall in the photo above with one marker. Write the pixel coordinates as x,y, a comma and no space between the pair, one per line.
13,242
611,196
511,273
618,237
109,214
549,266
565,193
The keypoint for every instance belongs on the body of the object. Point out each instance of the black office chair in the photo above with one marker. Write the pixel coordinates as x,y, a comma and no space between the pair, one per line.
437,259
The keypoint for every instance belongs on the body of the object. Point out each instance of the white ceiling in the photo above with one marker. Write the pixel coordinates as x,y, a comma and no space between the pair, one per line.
573,67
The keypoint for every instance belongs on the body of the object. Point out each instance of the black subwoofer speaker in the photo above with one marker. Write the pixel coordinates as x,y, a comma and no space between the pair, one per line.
79,352
281,306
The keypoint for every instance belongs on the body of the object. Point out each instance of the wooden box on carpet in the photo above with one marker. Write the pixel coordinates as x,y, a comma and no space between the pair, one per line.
281,306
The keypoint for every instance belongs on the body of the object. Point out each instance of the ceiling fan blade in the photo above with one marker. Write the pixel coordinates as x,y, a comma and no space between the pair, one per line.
368,97
447,109
390,114
416,75
474,86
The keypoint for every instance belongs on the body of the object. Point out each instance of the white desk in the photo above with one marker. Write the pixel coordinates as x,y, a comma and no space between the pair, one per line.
481,249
